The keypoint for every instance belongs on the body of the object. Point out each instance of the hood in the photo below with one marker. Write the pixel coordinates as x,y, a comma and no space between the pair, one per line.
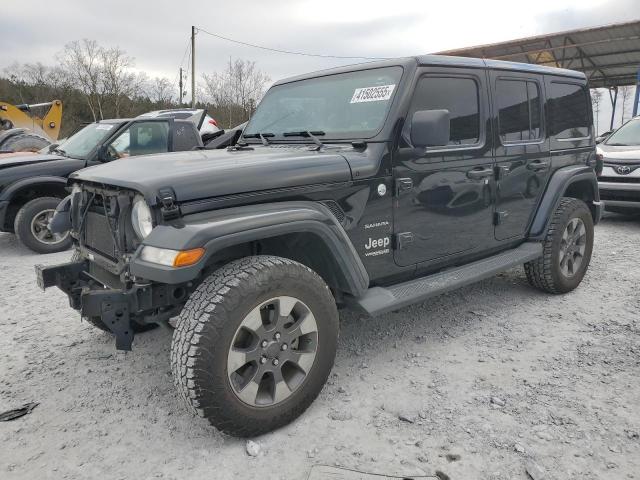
211,173
620,154
25,158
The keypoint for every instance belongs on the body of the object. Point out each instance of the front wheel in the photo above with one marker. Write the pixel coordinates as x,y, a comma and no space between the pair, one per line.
32,226
566,249
254,344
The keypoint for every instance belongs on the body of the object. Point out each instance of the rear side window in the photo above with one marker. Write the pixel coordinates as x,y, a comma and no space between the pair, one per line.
459,95
569,111
519,110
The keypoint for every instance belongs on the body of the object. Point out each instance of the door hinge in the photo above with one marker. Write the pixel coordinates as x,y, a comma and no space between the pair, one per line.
498,217
403,184
169,209
403,240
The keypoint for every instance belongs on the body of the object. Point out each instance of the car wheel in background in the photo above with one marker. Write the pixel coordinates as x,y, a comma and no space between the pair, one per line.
31,226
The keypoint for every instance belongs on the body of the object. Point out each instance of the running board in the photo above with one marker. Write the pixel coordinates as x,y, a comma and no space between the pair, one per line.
379,300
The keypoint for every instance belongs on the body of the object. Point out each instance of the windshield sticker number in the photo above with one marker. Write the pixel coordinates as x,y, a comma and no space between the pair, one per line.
372,94
104,126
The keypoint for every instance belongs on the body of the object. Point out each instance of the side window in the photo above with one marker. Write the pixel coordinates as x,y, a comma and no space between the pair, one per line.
141,138
519,110
459,95
569,111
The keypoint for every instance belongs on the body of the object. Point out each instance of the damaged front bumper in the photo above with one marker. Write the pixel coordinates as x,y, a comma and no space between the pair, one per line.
117,308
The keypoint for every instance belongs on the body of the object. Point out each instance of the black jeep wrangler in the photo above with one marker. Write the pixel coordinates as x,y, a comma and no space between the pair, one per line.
371,186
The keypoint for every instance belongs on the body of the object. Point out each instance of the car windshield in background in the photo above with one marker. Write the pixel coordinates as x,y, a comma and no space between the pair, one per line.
341,106
82,143
626,135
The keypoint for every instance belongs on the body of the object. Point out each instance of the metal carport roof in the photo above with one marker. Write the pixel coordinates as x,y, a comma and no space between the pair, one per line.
609,56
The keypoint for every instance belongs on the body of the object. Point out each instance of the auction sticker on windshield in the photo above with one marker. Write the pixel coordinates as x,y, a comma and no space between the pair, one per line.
372,94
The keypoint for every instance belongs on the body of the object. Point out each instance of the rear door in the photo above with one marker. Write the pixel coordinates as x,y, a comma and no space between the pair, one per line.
443,200
522,150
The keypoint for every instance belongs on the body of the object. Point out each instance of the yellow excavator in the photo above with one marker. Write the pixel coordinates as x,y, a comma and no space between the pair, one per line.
22,130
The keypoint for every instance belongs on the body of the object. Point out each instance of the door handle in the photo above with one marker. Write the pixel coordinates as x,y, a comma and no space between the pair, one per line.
478,173
537,165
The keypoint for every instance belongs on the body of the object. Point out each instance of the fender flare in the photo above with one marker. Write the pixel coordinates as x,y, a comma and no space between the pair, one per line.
224,228
8,193
557,186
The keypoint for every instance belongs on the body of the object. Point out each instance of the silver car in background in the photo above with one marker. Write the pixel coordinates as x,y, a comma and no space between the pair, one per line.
619,180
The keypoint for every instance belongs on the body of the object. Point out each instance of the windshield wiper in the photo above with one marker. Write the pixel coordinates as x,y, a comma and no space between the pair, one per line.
308,134
618,144
261,136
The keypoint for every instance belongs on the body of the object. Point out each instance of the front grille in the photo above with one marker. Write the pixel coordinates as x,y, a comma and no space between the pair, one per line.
629,196
620,179
98,236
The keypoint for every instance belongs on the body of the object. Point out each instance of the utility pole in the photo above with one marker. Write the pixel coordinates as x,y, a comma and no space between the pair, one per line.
193,66
180,98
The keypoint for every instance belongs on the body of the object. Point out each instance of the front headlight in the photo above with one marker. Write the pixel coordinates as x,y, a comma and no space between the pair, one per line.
141,217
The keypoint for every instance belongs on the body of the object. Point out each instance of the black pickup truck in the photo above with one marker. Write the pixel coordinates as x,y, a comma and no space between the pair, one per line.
32,184
370,187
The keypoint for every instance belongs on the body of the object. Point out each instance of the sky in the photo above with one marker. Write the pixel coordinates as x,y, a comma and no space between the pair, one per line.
156,33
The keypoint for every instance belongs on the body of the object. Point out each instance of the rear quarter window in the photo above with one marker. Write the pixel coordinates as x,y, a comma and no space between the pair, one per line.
569,111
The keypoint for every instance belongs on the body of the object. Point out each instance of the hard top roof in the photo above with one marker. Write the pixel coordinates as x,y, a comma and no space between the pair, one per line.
438,60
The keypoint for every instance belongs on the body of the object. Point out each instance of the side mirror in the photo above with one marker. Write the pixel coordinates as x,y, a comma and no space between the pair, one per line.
53,146
430,128
103,153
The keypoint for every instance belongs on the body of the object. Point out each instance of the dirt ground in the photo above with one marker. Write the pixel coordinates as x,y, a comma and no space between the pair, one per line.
484,383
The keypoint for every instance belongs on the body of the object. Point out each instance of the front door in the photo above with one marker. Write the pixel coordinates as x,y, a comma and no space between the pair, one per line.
443,203
522,150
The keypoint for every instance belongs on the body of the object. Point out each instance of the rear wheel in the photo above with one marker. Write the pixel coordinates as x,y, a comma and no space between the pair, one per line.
566,249
255,344
32,226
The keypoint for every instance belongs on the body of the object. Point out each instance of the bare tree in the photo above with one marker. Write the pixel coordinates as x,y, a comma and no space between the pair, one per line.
81,60
117,78
237,90
625,93
596,99
161,91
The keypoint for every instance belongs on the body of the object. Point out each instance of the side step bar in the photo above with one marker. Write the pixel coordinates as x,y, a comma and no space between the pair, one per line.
379,300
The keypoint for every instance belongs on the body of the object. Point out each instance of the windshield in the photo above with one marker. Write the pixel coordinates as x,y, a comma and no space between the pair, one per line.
82,143
628,134
341,106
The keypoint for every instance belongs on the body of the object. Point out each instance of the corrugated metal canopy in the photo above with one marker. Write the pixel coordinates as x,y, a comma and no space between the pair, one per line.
609,56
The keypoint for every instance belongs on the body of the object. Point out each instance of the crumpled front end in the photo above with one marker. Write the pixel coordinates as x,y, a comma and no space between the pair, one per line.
98,280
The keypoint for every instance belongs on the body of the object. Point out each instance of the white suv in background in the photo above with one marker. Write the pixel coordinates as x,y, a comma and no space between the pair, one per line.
619,181
207,127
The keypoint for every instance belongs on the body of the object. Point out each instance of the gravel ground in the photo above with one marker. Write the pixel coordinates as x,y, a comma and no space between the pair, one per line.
484,383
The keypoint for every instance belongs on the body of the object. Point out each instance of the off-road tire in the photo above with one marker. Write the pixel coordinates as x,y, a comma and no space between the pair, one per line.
631,212
544,273
25,142
22,226
97,322
205,332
